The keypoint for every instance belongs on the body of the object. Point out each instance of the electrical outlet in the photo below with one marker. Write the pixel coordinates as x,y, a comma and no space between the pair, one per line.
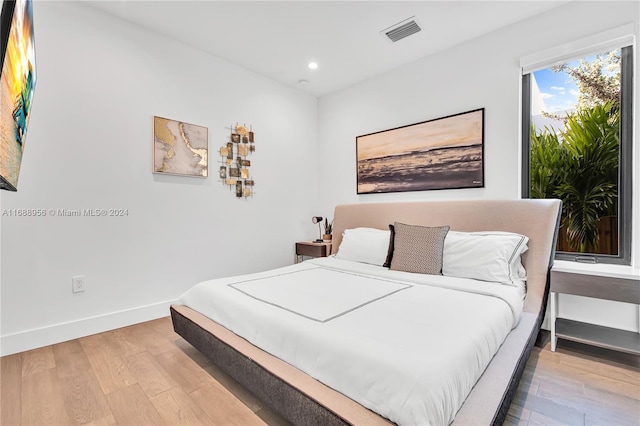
77,284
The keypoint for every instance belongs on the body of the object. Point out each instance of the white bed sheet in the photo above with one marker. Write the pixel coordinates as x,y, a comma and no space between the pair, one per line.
407,346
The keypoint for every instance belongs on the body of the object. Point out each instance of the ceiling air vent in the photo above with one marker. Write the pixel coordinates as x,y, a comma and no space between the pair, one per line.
401,29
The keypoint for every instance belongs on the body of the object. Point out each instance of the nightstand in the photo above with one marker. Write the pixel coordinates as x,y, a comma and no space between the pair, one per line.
601,285
312,249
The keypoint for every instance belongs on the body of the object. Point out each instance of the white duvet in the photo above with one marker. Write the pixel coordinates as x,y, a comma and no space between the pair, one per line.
407,346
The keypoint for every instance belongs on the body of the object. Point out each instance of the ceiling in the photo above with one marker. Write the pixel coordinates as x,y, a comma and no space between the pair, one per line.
279,38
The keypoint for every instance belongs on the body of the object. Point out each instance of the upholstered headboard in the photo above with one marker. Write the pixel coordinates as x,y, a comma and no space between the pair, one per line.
537,219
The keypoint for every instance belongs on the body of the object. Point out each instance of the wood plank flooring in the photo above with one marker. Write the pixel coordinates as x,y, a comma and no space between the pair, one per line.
147,375
577,385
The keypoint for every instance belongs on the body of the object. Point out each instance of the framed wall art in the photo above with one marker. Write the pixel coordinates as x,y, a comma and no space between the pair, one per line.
18,78
180,148
444,153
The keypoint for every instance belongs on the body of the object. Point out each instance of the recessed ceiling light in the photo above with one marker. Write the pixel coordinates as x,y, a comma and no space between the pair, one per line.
313,65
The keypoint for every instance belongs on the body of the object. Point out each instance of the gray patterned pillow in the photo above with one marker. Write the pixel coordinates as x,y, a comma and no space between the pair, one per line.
418,248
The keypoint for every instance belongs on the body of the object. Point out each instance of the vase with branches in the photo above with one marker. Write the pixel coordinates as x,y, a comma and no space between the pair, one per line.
328,230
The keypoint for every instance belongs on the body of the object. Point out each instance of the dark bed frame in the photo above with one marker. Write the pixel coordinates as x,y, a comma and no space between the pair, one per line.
304,401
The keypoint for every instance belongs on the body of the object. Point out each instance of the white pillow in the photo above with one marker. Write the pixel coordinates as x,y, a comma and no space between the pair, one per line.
486,256
365,245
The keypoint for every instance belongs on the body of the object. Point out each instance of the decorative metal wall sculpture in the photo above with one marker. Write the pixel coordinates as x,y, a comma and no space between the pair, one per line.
234,170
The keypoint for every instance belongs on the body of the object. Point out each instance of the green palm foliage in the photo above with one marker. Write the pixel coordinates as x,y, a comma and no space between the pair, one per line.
546,159
580,166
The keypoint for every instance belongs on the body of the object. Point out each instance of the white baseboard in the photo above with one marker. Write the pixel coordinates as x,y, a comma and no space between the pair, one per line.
57,333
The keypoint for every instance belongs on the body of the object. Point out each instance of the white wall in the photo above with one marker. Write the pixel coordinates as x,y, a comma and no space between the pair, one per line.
482,73
100,82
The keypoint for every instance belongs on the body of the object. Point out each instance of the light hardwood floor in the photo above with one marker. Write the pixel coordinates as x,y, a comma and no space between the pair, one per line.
147,375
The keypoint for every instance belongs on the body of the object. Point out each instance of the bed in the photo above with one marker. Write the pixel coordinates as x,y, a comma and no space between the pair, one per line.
344,340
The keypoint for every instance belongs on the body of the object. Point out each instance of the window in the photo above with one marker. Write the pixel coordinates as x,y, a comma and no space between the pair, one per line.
577,140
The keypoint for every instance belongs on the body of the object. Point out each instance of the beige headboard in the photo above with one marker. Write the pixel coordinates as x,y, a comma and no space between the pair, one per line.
537,219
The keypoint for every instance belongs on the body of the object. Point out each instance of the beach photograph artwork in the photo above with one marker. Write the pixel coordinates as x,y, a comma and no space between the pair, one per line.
445,153
180,148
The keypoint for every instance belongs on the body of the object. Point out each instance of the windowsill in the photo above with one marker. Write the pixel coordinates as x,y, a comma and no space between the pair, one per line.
599,269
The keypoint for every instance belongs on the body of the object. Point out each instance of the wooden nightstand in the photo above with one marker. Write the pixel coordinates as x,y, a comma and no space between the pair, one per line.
601,285
312,249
